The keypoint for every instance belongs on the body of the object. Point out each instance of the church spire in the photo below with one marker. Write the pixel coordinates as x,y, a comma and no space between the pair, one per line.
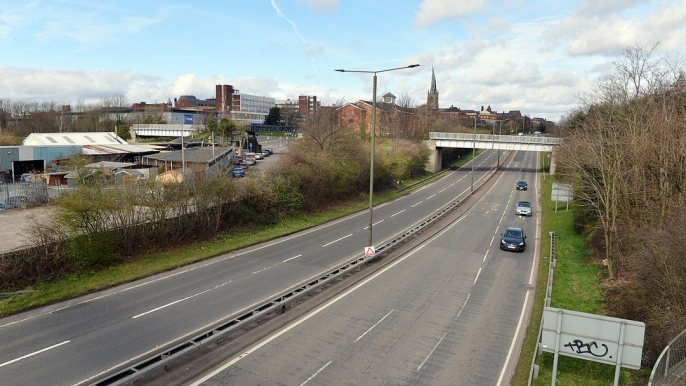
433,82
432,97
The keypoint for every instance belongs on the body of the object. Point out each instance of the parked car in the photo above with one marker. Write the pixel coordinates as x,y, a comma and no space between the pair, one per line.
243,165
251,162
522,185
4,206
523,208
513,239
270,151
265,154
238,172
259,156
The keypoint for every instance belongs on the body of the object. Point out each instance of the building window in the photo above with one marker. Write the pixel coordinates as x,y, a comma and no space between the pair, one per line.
351,112
350,121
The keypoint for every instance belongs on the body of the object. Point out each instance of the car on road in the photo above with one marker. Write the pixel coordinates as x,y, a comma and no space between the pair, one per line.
523,208
265,154
251,162
259,156
513,239
270,151
238,172
522,185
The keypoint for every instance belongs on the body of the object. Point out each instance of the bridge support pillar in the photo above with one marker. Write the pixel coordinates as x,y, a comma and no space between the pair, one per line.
435,157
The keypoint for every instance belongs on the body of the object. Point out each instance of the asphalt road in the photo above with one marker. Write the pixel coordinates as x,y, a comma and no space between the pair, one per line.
446,313
77,341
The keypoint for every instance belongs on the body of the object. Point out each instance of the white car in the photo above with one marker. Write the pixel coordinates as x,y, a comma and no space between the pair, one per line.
523,208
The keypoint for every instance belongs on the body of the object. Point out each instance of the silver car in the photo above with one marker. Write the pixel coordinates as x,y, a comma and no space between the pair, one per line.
523,208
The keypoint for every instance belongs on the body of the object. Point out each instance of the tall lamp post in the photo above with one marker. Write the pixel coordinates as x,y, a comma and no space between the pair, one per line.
371,167
473,154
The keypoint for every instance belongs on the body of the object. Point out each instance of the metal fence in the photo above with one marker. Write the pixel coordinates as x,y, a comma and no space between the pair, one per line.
548,295
672,356
23,194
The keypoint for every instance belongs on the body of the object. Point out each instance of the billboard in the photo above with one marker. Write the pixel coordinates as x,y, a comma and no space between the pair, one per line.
592,337
188,119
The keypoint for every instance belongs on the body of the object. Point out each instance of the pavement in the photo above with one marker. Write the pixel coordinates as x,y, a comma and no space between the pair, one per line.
14,225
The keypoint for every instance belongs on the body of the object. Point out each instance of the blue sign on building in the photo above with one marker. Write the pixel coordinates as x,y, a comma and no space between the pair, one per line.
187,119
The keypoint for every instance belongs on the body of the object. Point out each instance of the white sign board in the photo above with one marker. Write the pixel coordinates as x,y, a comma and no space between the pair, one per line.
561,192
593,337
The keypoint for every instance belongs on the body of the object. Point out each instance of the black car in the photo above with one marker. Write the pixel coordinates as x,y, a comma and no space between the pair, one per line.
522,185
513,239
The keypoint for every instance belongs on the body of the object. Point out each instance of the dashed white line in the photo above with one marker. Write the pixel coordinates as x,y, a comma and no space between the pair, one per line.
477,276
34,353
486,255
178,301
451,185
440,191
375,324
325,245
463,305
315,374
378,222
432,351
398,213
417,204
294,257
430,196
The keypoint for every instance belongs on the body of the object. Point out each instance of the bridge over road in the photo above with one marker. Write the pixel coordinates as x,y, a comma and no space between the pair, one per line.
438,141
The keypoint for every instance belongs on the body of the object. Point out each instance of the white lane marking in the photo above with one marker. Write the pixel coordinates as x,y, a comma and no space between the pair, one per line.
492,240
178,301
378,222
432,351
34,353
315,374
463,305
430,196
477,276
325,245
276,335
265,268
442,190
486,255
399,212
417,204
451,185
294,257
375,324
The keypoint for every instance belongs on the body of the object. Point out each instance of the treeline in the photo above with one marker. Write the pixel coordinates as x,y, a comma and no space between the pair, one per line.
101,225
625,156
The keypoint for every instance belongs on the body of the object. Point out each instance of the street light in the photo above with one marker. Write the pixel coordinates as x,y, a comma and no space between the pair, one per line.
371,167
473,154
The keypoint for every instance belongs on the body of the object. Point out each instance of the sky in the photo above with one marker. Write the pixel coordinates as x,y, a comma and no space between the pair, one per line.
537,57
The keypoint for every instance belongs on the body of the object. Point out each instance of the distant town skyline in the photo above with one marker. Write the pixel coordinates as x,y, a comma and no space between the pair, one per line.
531,56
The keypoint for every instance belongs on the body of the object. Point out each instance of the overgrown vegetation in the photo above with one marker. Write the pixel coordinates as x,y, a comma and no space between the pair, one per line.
103,225
625,155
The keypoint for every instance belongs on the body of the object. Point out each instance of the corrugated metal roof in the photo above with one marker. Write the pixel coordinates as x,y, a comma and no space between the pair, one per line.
119,149
62,139
109,165
194,155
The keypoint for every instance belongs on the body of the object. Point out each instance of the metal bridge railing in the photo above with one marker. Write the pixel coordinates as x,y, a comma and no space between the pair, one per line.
523,139
672,356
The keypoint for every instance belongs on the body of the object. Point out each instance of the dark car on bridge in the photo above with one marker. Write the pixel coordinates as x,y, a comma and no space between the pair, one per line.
513,239
522,185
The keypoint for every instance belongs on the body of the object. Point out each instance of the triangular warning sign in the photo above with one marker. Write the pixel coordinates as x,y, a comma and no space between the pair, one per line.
369,251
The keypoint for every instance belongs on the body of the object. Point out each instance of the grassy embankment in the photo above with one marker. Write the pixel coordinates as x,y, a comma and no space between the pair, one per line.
577,286
163,260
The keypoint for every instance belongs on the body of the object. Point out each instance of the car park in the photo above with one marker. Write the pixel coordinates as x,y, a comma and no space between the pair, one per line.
513,239
238,172
523,208
522,185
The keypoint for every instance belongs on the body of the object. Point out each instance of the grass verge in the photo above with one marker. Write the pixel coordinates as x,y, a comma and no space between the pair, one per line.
163,260
576,286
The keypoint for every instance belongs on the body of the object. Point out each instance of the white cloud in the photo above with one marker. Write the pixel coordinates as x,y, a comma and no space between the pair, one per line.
321,5
433,11
605,28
